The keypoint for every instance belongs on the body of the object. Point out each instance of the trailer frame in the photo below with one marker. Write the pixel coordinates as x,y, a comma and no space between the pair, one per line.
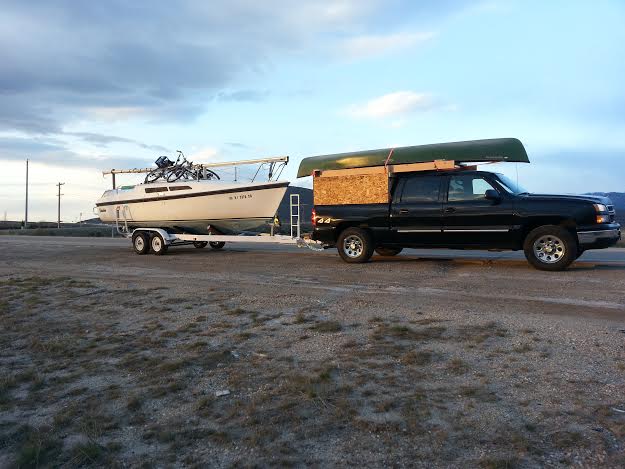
158,240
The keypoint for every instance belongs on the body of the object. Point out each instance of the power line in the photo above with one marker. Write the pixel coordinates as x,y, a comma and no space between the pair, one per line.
26,207
59,206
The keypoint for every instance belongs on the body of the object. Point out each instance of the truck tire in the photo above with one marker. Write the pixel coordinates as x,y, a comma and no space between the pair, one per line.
550,247
217,244
141,243
387,251
157,244
355,245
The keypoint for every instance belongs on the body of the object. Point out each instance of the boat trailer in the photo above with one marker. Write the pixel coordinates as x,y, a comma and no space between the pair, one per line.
158,240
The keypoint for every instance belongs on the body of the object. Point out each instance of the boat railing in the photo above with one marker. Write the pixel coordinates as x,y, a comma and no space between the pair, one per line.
275,166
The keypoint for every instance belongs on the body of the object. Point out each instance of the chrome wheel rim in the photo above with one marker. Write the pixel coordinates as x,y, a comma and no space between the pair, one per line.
139,244
353,246
549,249
156,244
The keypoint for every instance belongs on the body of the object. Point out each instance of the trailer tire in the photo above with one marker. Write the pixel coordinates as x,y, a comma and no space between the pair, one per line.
388,251
550,247
141,243
157,243
217,244
355,245
200,244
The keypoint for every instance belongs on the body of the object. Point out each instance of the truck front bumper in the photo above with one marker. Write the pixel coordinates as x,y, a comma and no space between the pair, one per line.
597,239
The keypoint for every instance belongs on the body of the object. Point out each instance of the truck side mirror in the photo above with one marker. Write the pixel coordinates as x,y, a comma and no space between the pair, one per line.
492,194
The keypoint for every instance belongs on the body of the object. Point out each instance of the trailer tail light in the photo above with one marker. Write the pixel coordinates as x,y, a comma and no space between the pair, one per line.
313,218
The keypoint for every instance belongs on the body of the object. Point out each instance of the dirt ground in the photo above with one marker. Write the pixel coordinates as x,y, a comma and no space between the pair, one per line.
255,358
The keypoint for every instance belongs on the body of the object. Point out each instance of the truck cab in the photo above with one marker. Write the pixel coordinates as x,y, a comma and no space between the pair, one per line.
469,209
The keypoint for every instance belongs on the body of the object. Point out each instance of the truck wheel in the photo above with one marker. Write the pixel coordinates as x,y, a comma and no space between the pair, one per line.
355,245
387,251
217,244
140,243
550,247
200,244
157,243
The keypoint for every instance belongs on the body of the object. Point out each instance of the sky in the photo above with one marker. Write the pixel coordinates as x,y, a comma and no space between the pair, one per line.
89,86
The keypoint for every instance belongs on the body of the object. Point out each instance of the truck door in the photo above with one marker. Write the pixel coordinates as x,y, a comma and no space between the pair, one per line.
473,217
417,209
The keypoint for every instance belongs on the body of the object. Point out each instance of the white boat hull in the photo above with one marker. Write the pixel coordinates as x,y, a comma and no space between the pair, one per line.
226,207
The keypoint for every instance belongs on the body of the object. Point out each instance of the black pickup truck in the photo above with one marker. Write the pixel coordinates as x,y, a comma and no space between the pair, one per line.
469,209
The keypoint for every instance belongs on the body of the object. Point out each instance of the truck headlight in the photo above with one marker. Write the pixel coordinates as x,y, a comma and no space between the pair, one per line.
600,208
603,219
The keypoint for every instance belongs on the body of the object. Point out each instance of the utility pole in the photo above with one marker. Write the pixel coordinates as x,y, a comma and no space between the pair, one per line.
59,196
26,209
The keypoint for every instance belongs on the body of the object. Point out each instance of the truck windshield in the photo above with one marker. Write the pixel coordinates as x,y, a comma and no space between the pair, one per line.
511,186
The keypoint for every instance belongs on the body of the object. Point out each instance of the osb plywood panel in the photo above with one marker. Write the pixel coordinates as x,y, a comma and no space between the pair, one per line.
350,190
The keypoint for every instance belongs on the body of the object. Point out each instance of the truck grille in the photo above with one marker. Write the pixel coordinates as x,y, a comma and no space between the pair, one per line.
612,213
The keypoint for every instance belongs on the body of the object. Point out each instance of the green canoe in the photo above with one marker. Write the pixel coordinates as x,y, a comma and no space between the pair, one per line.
472,151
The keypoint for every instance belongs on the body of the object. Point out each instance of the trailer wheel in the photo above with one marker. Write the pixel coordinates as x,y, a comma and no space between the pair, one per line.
388,251
200,244
355,245
550,247
217,244
140,243
157,243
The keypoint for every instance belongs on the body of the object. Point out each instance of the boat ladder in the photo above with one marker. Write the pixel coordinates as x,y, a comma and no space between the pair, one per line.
122,229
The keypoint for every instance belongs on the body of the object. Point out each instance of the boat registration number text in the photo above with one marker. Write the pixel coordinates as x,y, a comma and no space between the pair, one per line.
240,196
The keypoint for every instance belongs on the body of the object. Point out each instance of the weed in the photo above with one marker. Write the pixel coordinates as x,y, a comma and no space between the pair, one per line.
399,331
327,326
87,453
523,348
422,357
300,318
134,403
37,447
457,366
506,462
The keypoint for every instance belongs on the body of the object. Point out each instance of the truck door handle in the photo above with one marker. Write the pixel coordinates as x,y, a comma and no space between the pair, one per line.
450,210
404,211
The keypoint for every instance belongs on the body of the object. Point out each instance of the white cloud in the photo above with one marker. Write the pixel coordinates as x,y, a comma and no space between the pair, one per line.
366,46
392,104
205,155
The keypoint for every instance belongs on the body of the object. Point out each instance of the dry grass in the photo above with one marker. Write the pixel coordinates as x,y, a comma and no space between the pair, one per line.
327,326
86,386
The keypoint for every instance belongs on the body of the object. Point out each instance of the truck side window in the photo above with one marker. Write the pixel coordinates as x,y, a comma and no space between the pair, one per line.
421,189
467,188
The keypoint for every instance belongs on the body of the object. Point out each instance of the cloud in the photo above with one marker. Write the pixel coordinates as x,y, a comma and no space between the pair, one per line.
393,105
243,95
370,45
101,140
58,154
205,155
64,62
